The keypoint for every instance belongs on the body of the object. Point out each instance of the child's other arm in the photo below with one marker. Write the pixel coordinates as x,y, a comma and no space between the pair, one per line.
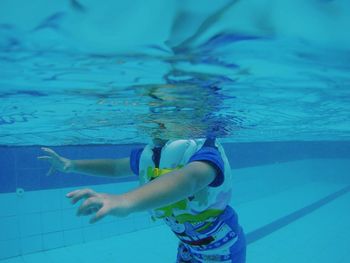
99,167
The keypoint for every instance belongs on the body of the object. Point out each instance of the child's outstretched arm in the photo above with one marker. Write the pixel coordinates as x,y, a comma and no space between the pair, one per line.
164,190
100,167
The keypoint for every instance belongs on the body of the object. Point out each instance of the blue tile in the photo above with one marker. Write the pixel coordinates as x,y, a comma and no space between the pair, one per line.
53,240
85,221
31,244
142,222
72,180
26,157
73,236
30,224
28,179
106,230
82,181
112,229
70,220
91,233
9,248
9,228
7,172
13,260
51,200
50,182
62,255
36,258
119,226
29,202
7,158
9,202
127,224
51,221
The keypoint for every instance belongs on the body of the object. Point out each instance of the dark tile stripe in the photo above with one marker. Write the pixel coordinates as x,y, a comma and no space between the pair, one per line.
284,221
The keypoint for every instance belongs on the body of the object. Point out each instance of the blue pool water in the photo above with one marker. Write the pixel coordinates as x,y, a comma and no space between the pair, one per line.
269,78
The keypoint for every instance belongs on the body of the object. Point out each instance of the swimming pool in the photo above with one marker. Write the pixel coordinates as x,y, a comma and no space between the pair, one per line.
95,81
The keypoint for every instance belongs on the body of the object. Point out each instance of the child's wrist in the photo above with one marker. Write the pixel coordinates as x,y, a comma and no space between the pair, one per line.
121,205
70,166
128,203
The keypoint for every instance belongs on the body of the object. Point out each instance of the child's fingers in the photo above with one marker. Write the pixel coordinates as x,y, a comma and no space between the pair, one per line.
48,158
99,215
89,206
44,158
51,171
79,194
51,152
70,194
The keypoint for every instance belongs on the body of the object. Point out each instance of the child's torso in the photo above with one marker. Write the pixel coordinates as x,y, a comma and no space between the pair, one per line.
198,219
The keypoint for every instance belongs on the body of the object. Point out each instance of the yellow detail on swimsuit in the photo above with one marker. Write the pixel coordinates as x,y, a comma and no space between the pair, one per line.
167,211
198,217
153,173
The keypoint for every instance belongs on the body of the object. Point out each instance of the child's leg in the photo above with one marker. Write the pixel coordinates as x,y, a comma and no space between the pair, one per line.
239,257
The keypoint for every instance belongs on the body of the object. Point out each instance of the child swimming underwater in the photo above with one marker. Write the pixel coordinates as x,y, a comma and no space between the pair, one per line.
187,183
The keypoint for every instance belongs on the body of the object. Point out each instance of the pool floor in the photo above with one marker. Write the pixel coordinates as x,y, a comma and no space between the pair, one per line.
321,235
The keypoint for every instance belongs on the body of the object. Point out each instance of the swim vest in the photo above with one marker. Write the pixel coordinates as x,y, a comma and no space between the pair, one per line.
205,205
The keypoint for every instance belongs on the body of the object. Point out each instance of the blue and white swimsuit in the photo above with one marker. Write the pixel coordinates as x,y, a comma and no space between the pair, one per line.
205,224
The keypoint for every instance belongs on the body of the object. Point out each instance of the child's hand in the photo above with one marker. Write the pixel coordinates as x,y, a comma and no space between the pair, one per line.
100,204
57,162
